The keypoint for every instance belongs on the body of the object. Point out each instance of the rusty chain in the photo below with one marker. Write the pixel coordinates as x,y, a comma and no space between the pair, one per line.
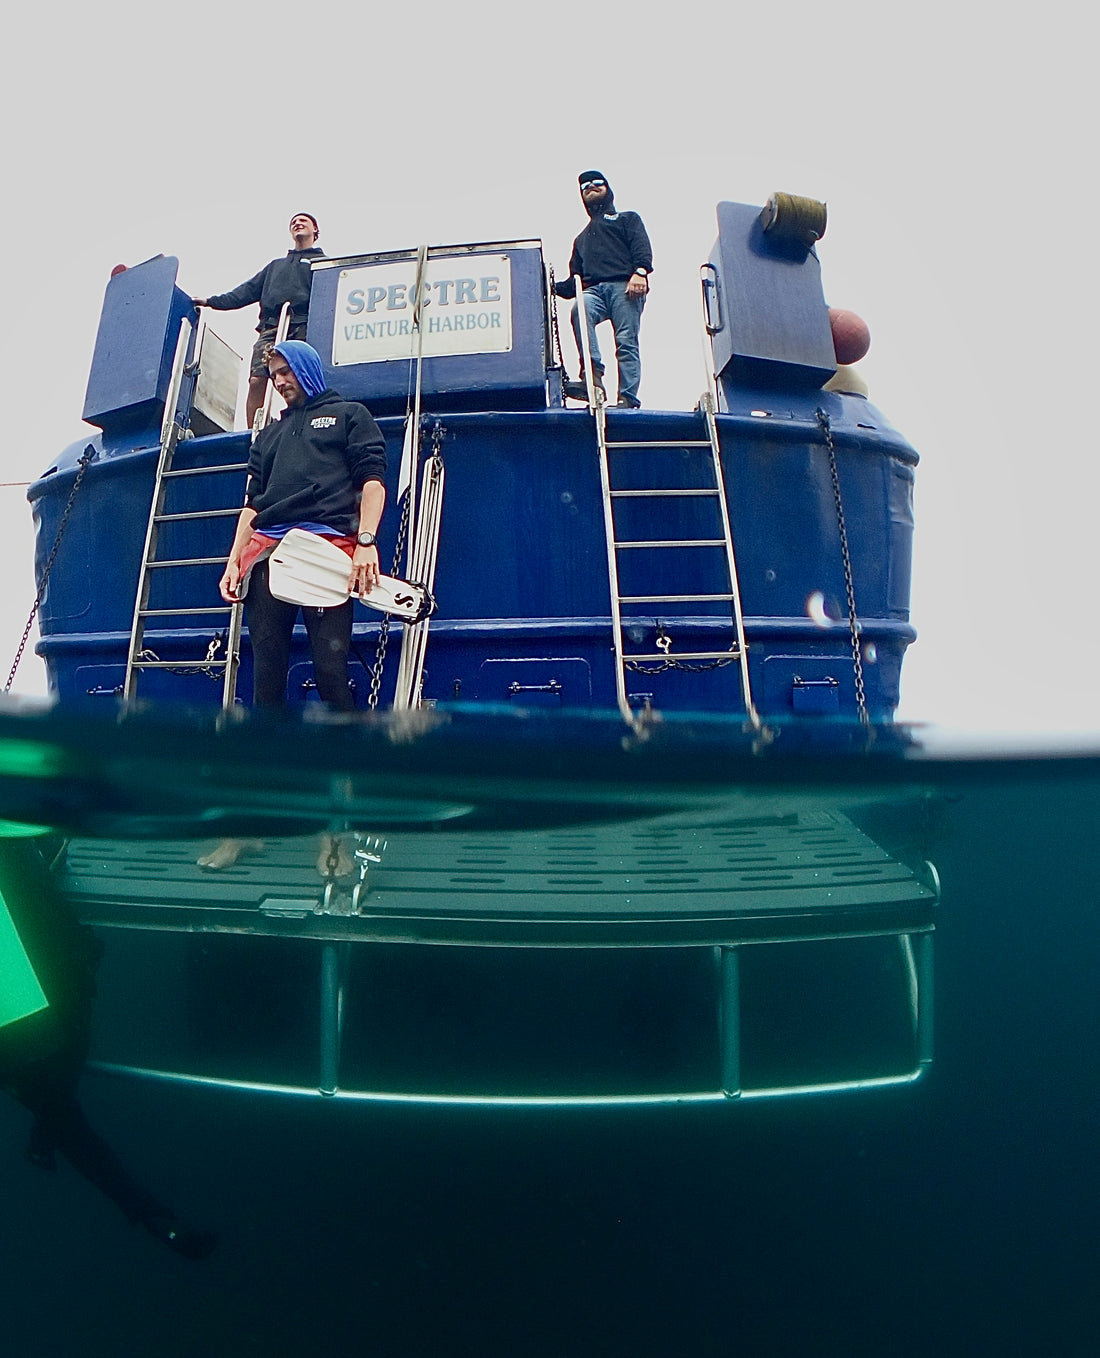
853,619
85,460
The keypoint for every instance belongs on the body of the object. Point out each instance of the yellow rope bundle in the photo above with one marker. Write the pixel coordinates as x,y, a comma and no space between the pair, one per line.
789,219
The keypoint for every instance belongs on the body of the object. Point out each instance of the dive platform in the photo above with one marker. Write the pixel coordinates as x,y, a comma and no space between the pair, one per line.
668,883
805,898
560,787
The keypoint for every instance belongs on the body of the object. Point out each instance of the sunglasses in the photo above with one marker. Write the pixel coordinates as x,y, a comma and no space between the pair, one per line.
594,184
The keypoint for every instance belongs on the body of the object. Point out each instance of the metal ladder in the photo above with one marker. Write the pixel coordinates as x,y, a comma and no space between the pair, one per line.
728,591
139,659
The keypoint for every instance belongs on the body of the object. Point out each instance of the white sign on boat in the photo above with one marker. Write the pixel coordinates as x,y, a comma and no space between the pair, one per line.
467,309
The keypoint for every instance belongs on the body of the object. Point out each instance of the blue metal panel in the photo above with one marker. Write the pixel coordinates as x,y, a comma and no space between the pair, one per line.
135,345
767,309
512,380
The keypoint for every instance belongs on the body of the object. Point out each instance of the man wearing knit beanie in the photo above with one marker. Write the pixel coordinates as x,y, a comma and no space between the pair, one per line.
614,260
281,281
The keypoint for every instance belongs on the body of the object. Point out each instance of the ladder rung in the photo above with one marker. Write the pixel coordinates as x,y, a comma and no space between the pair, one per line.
179,664
686,655
182,612
197,514
675,598
659,443
193,561
628,493
206,471
675,542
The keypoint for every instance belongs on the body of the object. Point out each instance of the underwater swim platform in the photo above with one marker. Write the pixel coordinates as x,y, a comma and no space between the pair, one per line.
664,883
668,899
559,881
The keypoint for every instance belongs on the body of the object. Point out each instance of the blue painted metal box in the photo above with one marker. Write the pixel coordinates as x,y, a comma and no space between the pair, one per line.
132,362
766,311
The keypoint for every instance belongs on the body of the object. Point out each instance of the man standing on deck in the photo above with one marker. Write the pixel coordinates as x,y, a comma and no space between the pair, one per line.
281,281
614,259
318,467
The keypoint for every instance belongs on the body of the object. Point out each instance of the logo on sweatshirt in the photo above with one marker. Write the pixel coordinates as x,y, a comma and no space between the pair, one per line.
323,422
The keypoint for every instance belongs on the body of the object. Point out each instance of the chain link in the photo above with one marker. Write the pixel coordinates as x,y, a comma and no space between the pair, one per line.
384,626
664,644
853,620
671,664
199,667
86,458
554,331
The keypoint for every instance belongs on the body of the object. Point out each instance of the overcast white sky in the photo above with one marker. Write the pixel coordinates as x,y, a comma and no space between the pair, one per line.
954,144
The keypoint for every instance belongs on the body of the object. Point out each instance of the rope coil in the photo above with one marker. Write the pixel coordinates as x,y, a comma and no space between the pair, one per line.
790,220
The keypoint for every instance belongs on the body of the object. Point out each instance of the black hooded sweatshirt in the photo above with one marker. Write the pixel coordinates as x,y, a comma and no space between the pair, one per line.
609,249
309,465
283,280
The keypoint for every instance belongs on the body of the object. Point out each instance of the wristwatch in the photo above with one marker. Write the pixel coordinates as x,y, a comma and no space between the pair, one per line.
366,540
643,272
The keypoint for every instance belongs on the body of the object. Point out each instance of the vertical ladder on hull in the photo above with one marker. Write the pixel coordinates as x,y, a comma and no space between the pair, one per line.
140,659
727,591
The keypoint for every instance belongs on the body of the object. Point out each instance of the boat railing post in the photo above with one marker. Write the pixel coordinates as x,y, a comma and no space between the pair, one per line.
411,451
708,407
925,999
333,972
263,415
708,279
180,363
729,1019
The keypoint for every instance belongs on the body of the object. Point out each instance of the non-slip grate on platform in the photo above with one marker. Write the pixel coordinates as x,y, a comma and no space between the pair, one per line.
808,875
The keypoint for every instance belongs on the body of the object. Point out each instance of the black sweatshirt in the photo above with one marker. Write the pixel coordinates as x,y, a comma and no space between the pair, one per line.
283,280
310,465
608,250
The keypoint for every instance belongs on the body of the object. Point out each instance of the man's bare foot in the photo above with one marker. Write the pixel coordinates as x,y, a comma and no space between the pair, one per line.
334,857
226,853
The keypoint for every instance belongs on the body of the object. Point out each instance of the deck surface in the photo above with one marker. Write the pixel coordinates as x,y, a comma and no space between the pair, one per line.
668,881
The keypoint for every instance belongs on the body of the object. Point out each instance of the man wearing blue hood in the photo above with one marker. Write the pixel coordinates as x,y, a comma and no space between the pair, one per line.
319,467
614,259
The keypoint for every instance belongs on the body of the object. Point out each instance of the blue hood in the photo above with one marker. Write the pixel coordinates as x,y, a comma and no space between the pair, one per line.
305,364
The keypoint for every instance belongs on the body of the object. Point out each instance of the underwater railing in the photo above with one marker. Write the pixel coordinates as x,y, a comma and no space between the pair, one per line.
916,955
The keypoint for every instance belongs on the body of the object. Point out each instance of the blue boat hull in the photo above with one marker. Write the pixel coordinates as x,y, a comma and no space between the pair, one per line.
522,582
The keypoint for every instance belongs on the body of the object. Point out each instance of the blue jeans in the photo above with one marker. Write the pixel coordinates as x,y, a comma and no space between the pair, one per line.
609,302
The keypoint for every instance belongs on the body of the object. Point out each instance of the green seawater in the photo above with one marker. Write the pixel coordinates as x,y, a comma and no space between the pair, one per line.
936,1193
